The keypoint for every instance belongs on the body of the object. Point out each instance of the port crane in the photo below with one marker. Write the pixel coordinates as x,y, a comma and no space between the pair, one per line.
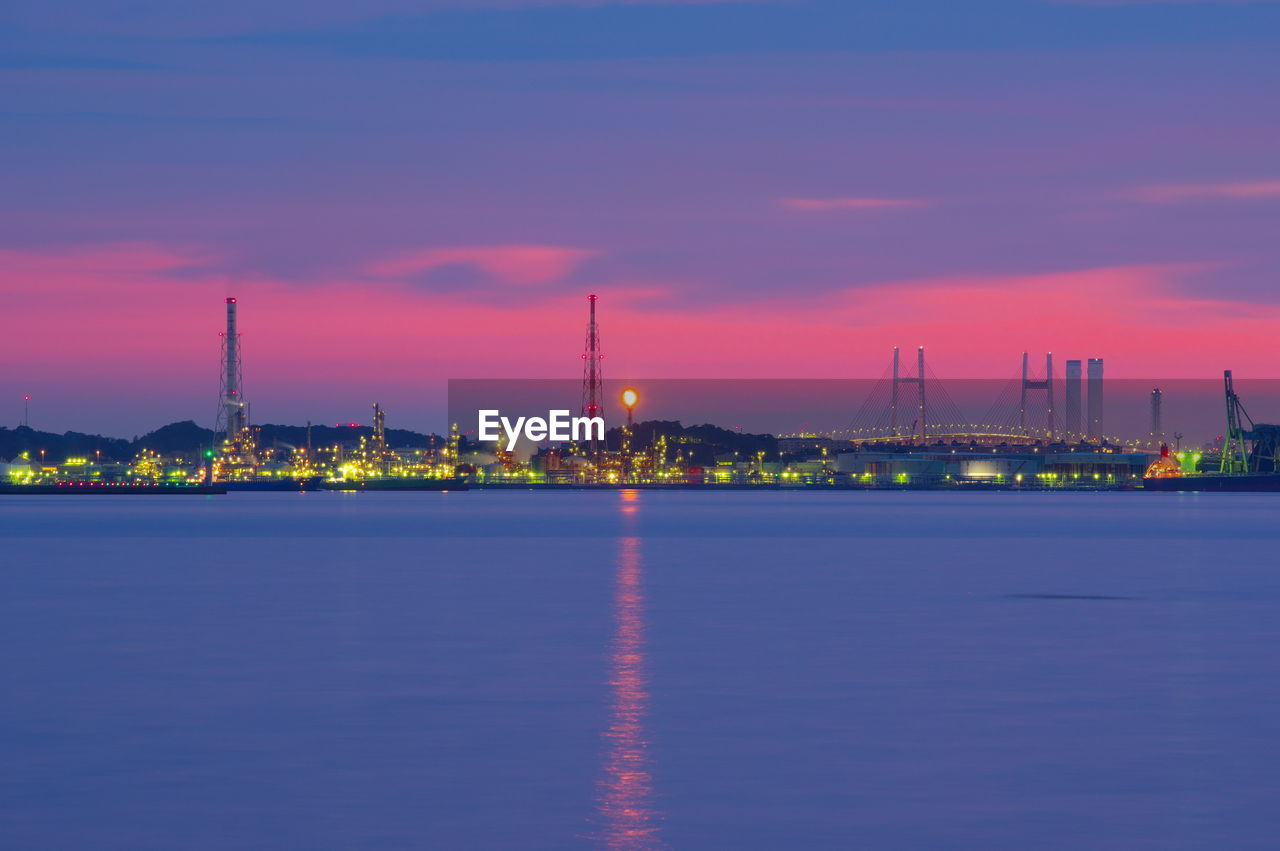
1248,447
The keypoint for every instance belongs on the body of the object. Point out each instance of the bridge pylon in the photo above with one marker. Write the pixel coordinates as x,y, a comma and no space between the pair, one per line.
1045,384
919,428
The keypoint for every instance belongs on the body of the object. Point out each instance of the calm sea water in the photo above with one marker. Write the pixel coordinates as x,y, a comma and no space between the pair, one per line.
683,670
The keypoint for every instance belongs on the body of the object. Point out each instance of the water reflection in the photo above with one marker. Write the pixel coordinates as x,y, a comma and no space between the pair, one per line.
625,799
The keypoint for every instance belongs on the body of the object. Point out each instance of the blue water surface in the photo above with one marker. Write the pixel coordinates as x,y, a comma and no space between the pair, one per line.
656,669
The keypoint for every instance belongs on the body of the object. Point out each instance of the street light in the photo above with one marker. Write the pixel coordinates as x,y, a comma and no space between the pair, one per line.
629,399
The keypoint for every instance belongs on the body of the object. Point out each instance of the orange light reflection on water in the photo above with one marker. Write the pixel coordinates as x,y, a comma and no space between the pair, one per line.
625,801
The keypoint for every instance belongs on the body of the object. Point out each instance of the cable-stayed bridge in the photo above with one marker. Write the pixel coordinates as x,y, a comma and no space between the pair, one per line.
909,404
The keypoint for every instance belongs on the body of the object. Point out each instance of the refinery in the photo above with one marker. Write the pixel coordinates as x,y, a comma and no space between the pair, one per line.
907,434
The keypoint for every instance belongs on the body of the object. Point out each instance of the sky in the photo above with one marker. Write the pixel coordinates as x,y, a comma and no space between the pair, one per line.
399,193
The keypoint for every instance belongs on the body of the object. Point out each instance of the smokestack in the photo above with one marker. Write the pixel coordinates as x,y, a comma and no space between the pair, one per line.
920,378
232,399
1073,399
1095,398
232,353
1022,400
1048,392
1157,416
893,401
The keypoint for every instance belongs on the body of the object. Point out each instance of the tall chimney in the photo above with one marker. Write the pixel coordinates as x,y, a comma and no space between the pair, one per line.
1095,399
1072,424
1157,417
232,400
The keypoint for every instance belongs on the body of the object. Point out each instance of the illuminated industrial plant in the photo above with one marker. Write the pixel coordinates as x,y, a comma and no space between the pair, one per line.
907,433
240,462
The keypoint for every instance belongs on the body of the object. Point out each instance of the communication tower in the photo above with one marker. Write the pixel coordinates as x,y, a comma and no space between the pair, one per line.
239,455
592,381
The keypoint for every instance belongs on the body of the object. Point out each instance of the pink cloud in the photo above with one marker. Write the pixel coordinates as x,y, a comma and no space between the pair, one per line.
511,264
121,320
120,330
128,261
1179,192
826,205
1139,317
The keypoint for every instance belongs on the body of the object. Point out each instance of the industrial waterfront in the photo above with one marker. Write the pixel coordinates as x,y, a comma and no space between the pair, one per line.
906,433
640,425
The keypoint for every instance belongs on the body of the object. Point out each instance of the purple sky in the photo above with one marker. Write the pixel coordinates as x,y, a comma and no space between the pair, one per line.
400,193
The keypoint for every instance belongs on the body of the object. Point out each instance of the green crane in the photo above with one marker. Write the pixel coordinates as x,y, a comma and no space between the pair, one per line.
1235,457
1255,449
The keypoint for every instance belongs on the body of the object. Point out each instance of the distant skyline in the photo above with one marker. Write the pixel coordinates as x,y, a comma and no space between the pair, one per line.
399,193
